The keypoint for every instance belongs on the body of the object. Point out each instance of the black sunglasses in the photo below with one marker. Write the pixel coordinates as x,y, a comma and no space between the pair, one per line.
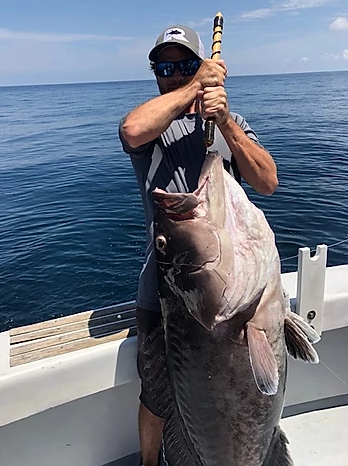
166,69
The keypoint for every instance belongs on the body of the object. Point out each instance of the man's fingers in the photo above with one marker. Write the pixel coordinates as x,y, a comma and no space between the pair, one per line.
222,64
198,102
212,73
214,93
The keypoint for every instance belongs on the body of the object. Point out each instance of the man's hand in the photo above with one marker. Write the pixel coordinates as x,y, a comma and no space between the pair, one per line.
212,98
211,73
212,103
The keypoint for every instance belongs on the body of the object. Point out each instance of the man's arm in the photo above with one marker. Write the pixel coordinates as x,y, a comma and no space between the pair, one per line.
255,164
151,119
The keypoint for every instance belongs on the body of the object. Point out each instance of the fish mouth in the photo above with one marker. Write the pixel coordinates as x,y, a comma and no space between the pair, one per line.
181,206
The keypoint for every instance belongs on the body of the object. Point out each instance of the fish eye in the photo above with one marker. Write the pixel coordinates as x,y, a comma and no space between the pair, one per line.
161,243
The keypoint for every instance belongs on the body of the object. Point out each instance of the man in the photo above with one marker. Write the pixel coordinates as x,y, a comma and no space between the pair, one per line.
164,138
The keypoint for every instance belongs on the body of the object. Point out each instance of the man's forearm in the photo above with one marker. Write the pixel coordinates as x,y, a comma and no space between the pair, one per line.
255,164
149,120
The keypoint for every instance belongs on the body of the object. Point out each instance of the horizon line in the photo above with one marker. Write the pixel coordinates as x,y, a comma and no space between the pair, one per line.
144,80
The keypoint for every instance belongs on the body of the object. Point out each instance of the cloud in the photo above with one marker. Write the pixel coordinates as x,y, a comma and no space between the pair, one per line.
194,24
304,59
299,4
336,57
279,6
330,56
257,14
340,24
6,34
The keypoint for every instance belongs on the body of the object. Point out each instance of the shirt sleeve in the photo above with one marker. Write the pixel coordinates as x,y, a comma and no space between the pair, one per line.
241,121
247,129
138,152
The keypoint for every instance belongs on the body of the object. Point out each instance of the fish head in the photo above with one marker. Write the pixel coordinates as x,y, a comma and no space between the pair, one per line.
194,253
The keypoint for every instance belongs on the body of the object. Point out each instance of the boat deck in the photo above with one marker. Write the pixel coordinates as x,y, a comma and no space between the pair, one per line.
316,408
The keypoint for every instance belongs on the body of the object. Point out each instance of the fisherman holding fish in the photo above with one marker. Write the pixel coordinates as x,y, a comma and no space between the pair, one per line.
164,138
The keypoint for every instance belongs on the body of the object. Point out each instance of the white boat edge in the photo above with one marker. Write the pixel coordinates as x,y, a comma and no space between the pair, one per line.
81,407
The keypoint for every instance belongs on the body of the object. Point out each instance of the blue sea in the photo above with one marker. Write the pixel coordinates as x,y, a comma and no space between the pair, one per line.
72,233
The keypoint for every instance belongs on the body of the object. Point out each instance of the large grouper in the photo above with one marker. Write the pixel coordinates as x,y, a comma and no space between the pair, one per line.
218,365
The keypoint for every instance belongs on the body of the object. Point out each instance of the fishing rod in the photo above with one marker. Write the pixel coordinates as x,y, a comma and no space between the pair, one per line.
209,129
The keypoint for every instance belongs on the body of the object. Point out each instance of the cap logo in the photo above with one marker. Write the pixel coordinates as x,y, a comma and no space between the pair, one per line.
177,34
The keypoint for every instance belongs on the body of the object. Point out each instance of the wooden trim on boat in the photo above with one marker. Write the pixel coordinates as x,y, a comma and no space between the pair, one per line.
67,334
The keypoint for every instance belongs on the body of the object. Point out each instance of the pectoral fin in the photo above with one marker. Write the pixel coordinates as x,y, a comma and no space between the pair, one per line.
299,337
263,362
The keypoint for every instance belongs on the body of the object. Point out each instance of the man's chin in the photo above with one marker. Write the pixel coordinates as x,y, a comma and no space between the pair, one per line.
173,88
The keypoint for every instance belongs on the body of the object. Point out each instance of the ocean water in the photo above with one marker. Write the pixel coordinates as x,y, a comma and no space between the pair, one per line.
71,227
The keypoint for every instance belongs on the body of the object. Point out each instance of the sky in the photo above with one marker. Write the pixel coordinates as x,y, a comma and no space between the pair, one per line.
63,41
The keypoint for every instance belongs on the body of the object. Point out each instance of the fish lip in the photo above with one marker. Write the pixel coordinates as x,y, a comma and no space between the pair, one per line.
179,217
169,213
169,209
